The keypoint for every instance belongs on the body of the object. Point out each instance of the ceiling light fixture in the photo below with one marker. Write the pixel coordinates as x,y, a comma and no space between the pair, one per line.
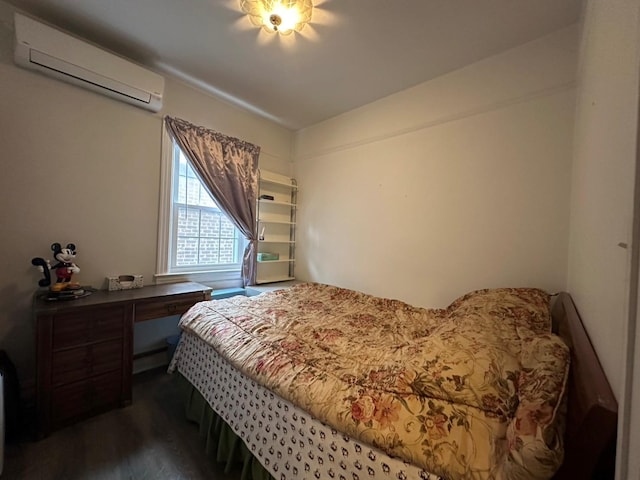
282,16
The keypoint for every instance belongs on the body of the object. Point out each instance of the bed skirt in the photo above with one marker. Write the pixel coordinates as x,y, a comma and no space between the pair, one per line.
221,443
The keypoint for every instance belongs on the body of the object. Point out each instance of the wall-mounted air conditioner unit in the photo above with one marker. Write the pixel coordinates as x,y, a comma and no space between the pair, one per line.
50,51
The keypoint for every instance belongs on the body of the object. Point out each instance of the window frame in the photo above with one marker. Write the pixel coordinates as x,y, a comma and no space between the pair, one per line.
224,276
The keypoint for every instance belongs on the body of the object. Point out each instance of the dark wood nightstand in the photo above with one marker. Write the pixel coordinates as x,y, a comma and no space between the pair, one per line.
85,348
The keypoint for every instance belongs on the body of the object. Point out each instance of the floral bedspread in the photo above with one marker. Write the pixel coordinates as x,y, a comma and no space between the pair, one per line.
472,391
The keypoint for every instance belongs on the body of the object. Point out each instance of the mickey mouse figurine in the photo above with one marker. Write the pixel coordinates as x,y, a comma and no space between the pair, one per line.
65,267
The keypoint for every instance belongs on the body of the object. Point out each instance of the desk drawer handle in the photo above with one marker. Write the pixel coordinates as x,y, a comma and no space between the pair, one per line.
172,308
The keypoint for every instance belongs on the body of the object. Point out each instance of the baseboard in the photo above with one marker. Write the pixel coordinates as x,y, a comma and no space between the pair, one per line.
149,362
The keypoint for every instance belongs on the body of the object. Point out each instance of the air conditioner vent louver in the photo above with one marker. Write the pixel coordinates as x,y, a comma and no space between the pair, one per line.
54,53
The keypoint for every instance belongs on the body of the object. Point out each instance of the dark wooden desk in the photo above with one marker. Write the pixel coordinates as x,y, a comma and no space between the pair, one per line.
85,348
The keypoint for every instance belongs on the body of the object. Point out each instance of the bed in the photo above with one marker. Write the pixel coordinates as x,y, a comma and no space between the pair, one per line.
323,382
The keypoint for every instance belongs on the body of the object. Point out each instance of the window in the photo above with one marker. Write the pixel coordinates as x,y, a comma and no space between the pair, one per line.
203,237
195,235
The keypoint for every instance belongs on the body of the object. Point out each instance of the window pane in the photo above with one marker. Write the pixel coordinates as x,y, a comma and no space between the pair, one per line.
210,223
181,190
226,250
182,164
188,222
193,191
186,251
209,251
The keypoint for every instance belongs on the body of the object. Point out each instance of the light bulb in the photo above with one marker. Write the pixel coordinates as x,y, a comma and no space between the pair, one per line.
282,16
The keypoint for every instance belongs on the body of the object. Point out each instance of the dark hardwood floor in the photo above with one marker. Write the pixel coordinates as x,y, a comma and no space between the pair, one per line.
148,440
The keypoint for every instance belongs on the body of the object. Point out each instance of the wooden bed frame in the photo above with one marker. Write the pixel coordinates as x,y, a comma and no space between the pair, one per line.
592,414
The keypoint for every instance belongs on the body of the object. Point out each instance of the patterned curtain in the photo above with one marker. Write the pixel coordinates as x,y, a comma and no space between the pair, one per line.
229,169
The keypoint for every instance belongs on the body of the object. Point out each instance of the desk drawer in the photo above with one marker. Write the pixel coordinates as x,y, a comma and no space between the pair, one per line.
173,305
85,398
82,362
87,326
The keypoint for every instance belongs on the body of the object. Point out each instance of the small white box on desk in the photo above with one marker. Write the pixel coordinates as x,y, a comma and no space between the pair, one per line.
125,282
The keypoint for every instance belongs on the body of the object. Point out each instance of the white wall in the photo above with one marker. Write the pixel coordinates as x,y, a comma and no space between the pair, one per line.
600,270
83,168
456,184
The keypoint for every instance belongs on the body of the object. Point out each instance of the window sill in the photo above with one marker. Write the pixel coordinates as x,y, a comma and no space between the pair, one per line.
216,280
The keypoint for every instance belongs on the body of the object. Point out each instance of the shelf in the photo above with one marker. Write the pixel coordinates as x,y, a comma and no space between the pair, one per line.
276,182
286,260
273,178
264,201
283,278
281,222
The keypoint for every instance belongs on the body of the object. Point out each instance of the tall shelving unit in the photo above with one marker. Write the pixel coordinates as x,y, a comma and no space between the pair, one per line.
276,220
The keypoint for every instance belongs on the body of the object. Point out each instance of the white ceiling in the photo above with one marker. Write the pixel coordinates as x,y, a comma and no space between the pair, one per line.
353,52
